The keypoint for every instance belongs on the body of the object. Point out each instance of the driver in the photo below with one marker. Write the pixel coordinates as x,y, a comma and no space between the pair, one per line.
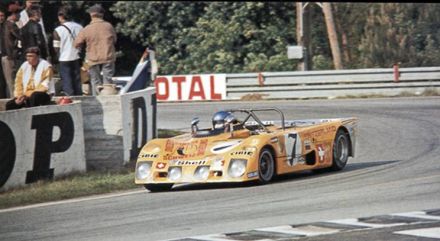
221,119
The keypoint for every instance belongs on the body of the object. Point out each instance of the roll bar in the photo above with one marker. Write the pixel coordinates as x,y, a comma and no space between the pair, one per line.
251,113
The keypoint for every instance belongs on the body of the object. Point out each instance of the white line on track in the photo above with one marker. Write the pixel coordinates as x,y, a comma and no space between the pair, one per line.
423,232
90,198
308,230
214,237
355,222
419,214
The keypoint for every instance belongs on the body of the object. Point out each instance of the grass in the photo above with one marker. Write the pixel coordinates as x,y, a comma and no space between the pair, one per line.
75,185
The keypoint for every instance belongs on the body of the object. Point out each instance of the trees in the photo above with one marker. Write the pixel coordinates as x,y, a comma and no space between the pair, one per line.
405,33
234,37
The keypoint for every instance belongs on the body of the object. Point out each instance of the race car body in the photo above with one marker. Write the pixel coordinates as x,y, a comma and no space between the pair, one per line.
246,150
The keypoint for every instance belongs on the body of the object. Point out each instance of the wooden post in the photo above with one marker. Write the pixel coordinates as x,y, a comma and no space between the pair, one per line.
299,32
332,36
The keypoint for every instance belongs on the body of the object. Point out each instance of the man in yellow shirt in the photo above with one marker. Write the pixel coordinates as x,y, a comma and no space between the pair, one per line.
33,82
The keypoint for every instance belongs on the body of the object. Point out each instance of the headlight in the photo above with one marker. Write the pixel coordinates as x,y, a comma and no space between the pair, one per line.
143,170
202,172
237,167
174,173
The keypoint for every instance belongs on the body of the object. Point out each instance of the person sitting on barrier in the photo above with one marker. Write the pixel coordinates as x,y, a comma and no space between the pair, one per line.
33,82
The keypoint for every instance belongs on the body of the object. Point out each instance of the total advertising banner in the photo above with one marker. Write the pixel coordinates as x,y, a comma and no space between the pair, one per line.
191,87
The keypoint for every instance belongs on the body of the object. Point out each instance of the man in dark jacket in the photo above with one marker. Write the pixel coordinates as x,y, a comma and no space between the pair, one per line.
32,33
10,39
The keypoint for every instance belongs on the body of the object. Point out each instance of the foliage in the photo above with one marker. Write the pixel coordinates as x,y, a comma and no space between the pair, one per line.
234,37
405,33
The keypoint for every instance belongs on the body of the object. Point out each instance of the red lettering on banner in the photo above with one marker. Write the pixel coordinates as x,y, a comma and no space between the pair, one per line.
201,92
162,96
179,80
214,96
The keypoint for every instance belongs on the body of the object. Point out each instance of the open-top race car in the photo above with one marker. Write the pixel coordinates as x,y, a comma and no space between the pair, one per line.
249,149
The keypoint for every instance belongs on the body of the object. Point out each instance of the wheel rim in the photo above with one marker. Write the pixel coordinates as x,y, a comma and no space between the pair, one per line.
341,152
266,166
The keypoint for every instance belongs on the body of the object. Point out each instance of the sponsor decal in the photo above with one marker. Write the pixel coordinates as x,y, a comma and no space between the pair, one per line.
202,146
225,146
319,132
274,140
247,153
188,162
321,152
160,165
149,155
218,165
307,145
191,87
252,174
186,149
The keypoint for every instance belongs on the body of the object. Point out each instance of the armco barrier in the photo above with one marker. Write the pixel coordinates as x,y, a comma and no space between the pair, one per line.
40,143
311,84
332,83
117,126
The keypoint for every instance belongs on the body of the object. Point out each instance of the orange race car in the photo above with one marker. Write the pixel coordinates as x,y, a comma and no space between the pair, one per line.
239,150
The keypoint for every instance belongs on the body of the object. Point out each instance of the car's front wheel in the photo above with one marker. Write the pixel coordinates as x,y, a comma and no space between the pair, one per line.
158,187
266,166
340,150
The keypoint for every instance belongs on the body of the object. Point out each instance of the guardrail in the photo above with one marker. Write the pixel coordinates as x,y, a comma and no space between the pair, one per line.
332,83
319,84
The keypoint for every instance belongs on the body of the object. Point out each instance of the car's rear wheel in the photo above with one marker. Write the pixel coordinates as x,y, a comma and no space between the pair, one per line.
340,150
266,166
158,187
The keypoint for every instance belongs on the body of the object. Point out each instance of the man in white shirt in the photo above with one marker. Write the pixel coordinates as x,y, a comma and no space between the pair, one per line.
68,56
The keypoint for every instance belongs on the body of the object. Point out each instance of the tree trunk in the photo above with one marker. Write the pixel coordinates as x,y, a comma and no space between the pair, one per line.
299,32
333,38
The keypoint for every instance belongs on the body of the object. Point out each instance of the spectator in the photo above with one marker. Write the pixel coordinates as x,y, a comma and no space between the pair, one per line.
24,16
14,6
32,33
68,56
33,82
11,38
2,53
151,67
100,39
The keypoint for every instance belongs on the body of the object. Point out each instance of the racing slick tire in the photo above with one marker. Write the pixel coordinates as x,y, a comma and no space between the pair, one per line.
266,166
340,150
158,187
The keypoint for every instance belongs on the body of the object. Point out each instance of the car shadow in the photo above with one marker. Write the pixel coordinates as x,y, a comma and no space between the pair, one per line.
320,173
279,179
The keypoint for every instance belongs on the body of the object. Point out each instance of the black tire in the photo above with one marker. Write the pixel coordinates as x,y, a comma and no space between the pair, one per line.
159,187
266,166
340,151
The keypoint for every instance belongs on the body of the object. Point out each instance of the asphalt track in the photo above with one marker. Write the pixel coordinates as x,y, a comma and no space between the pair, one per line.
396,169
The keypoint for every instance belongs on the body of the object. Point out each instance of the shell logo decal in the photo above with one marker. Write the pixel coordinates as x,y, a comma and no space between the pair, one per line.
225,146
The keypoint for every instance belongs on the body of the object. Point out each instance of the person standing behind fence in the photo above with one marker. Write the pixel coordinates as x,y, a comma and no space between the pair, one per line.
68,56
100,39
24,15
32,33
3,86
11,39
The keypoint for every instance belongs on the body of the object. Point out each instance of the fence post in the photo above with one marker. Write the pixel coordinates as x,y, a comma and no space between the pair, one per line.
260,79
396,73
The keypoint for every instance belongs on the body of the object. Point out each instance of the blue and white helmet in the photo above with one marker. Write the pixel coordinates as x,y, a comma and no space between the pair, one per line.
220,118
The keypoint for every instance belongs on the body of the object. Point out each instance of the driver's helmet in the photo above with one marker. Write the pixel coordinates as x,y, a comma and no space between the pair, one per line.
220,118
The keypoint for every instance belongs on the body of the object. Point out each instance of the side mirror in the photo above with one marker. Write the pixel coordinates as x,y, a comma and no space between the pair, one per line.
194,123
